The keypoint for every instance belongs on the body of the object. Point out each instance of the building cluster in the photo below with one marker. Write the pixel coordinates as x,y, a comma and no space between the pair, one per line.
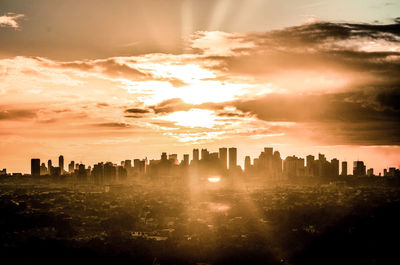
268,164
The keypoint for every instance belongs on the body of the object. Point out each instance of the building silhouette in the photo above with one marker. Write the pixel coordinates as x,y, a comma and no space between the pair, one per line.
195,155
359,169
232,158
344,168
35,167
223,157
61,164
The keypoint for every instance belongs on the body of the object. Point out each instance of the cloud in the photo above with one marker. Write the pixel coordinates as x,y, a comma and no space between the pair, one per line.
118,125
217,43
17,114
137,111
10,20
329,82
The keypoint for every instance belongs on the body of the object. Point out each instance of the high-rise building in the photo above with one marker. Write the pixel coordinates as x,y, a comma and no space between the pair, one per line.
344,168
61,164
185,161
204,154
173,158
35,167
71,167
247,164
370,172
128,164
223,157
293,167
195,154
43,169
359,169
310,165
232,158
268,151
335,167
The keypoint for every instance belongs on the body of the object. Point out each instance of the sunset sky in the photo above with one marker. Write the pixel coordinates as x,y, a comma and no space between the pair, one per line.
99,80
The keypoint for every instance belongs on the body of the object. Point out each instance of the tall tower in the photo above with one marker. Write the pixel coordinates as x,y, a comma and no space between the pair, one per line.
344,168
61,164
196,155
335,167
223,157
35,167
247,164
232,158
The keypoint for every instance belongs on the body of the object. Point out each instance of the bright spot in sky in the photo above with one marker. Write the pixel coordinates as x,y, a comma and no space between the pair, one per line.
193,118
214,179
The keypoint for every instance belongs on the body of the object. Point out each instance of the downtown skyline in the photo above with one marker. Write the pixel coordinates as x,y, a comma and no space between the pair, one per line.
218,163
102,82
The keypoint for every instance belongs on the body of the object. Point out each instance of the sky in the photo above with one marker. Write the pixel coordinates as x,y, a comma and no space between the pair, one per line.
114,80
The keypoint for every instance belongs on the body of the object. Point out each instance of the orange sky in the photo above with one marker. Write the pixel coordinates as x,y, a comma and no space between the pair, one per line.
314,87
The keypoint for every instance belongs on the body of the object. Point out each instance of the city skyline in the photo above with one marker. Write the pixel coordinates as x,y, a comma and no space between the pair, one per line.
240,159
225,158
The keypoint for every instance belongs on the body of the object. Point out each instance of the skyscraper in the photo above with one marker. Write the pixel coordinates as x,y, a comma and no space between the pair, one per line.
71,167
247,164
344,168
310,165
61,164
232,158
223,157
35,167
359,169
196,155
204,154
335,167
185,161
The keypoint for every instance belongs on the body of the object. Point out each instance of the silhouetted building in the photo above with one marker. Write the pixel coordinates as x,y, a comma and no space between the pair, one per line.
61,163
185,161
223,158
71,167
82,173
3,172
173,158
121,172
293,167
310,165
35,167
195,155
359,169
232,158
335,167
370,172
43,169
344,168
247,164
204,154
164,156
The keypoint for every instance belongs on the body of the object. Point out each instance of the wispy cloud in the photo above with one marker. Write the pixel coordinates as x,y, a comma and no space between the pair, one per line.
10,20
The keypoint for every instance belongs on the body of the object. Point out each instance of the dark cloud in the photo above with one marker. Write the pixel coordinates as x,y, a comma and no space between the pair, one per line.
111,67
346,118
137,111
177,104
102,104
17,114
171,105
112,125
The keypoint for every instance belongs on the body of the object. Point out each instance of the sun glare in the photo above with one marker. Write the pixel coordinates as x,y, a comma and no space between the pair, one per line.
214,179
193,118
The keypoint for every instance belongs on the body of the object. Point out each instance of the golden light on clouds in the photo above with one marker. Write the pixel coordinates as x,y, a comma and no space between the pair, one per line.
315,84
